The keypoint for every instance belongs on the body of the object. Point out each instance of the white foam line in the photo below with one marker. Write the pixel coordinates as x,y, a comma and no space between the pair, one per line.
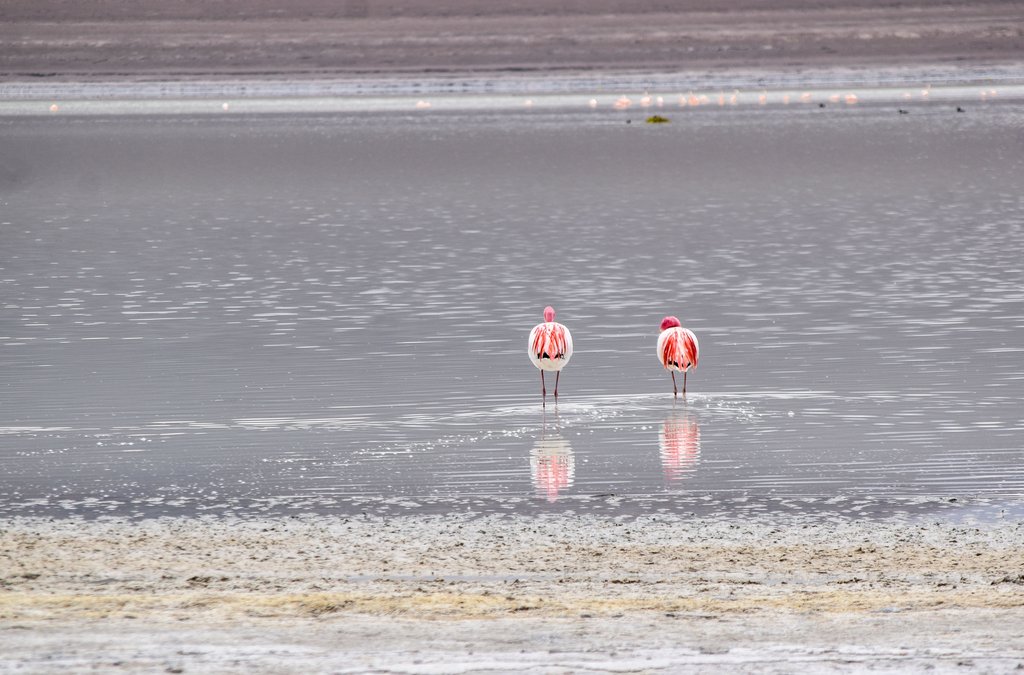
31,430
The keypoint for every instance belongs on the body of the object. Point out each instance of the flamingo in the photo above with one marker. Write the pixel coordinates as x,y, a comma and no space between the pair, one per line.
677,350
549,348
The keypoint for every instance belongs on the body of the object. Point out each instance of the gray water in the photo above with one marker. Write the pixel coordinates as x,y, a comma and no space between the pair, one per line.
328,313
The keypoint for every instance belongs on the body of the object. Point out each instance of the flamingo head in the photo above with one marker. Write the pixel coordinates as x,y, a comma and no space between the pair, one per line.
549,313
670,322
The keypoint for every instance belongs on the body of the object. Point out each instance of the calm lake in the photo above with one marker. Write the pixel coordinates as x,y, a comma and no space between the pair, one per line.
293,313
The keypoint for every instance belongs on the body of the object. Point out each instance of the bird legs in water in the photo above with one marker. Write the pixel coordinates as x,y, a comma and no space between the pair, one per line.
675,389
544,392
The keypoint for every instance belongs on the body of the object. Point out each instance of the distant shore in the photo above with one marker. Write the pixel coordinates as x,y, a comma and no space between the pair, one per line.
475,590
187,40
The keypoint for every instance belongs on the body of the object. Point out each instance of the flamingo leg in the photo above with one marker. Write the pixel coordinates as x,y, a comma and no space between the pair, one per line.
675,390
557,374
543,391
684,383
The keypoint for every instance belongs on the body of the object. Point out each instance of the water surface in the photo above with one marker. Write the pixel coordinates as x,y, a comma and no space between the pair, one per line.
328,312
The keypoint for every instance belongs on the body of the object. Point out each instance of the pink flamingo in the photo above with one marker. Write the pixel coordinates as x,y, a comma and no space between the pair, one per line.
677,350
549,348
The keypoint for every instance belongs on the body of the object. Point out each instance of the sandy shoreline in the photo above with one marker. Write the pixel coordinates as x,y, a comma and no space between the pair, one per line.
593,586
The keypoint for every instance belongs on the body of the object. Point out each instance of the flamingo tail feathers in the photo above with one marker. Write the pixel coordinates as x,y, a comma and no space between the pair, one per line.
550,343
680,351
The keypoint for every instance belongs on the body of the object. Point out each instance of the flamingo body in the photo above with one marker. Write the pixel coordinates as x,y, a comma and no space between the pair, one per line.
549,348
678,349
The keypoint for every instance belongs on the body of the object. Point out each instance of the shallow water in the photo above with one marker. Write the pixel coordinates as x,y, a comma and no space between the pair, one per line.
291,313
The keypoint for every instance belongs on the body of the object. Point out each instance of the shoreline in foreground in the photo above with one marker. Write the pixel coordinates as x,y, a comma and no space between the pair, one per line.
675,591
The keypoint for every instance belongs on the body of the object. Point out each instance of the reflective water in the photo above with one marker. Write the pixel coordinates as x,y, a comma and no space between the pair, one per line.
329,312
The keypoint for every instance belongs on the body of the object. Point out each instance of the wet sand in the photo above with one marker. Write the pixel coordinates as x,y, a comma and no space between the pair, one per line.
421,594
168,41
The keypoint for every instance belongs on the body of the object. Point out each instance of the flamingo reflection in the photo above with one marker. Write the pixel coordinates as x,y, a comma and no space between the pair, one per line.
552,465
679,443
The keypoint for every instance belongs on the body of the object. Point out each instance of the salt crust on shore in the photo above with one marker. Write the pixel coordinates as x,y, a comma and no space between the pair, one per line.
553,594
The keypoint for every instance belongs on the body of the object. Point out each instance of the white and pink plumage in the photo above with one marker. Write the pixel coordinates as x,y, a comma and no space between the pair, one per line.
549,348
677,350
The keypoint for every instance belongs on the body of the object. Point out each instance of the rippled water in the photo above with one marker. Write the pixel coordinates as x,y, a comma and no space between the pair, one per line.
329,312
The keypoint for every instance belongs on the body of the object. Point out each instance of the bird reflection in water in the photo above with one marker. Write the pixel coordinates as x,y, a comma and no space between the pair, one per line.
679,444
552,464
